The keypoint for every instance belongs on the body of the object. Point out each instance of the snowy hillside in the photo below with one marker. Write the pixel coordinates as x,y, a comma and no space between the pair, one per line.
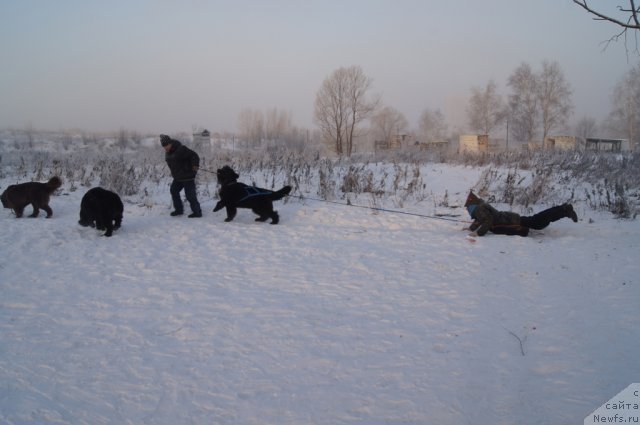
338,315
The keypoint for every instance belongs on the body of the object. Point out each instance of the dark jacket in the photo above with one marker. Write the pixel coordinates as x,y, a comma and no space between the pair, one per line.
486,218
182,161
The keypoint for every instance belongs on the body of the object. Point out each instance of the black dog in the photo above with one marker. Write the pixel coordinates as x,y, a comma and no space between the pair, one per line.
102,209
234,195
18,196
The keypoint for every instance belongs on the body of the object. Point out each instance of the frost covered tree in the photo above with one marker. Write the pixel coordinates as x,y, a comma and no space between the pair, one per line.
341,105
277,124
486,109
554,98
251,125
624,118
432,125
523,103
387,122
538,99
586,127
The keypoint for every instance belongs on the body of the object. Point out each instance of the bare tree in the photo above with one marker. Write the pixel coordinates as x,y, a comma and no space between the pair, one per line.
387,122
486,109
122,139
523,103
554,97
626,17
432,125
586,128
341,105
330,110
277,124
251,125
624,118
30,131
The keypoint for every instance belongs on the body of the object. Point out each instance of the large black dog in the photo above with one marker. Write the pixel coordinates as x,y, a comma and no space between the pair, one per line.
18,196
234,195
102,209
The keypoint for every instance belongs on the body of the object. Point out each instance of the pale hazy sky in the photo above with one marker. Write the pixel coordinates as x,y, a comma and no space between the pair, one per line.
164,66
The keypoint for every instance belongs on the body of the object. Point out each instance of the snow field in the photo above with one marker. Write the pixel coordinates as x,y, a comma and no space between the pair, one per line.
338,315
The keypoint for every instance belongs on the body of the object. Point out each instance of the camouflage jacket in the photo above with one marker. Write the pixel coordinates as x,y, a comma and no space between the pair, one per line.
486,218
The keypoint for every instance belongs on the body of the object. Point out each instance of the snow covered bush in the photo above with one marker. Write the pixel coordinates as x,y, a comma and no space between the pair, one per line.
133,166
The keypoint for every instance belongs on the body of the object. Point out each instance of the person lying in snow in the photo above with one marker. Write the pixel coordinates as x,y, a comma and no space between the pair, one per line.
486,218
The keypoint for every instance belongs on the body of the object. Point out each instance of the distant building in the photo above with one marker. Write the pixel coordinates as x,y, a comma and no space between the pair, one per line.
436,145
606,145
202,138
474,143
398,140
564,143
533,145
380,145
395,142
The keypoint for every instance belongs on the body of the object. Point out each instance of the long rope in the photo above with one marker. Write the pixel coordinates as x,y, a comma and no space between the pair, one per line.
435,217
302,197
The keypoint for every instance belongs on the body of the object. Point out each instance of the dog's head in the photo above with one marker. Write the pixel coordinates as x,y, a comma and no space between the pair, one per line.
226,175
5,200
54,183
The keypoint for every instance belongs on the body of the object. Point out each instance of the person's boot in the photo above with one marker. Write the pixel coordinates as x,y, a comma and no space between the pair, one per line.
176,213
195,215
570,212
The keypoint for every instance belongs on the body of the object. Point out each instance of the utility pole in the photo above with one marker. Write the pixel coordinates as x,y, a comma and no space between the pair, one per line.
508,118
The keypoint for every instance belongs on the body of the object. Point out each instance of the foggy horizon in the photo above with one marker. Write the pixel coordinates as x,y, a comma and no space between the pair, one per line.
164,67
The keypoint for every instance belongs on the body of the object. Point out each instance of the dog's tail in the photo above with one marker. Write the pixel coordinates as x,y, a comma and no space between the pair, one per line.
280,193
54,183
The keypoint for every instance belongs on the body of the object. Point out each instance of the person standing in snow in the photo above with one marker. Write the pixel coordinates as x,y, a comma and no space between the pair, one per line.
487,219
183,163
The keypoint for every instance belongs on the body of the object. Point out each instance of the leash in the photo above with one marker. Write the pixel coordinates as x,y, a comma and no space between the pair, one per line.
435,217
301,197
207,171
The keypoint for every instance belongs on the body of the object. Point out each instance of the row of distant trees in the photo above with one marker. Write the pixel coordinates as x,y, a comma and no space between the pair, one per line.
539,103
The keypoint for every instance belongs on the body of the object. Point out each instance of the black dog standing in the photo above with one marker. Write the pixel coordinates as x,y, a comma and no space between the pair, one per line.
102,209
234,195
183,163
18,196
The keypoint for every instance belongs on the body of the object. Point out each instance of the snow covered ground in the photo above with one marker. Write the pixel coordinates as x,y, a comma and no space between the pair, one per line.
339,315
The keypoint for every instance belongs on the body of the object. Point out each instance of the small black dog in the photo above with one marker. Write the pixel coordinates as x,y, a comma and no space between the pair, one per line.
102,209
234,195
18,196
